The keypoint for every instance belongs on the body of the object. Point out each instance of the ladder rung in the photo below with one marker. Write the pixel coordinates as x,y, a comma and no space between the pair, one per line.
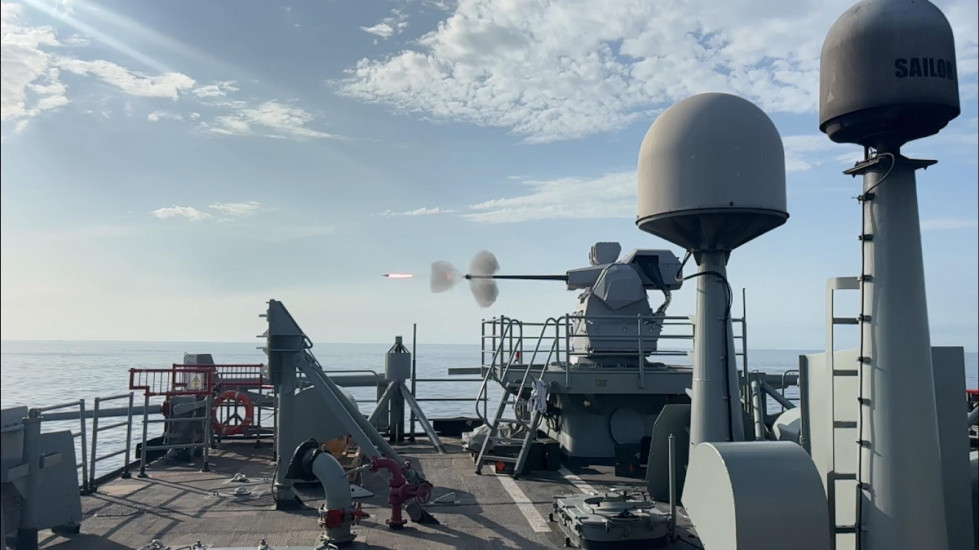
845,372
845,321
844,528
845,424
838,476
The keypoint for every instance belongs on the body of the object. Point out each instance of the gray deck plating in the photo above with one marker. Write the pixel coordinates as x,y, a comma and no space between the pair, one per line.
180,506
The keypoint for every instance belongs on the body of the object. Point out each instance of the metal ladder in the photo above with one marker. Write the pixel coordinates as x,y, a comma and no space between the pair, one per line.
514,397
832,321
506,336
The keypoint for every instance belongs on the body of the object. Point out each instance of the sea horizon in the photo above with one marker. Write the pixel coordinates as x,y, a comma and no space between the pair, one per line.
257,339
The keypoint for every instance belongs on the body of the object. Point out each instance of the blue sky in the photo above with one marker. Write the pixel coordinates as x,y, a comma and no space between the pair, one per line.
169,166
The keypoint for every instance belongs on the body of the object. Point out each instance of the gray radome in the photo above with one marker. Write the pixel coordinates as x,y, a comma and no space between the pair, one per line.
711,174
887,74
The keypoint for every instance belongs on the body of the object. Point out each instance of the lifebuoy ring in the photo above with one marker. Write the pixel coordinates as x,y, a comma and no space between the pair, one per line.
234,424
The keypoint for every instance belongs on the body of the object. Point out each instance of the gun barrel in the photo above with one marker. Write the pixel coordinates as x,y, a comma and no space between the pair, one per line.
521,277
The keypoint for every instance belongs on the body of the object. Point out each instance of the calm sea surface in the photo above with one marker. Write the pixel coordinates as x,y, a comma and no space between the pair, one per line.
40,373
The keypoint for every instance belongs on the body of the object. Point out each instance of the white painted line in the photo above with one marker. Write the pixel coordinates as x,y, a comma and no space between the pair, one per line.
581,484
524,504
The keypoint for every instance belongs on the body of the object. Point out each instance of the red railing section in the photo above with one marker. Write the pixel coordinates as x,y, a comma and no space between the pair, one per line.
235,375
182,379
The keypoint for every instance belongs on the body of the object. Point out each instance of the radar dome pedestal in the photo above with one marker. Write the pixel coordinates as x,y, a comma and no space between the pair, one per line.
887,74
711,178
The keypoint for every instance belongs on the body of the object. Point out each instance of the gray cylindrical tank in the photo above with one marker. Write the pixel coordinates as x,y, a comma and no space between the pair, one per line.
887,74
711,174
397,362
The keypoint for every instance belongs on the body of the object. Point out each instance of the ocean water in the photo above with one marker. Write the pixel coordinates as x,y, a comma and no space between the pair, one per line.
41,373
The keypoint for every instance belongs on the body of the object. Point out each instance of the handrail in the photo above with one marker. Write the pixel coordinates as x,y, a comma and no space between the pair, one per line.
506,328
91,487
533,356
508,345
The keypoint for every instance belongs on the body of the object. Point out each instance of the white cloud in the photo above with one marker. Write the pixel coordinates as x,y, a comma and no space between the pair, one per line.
29,83
937,224
611,195
188,212
270,119
236,209
220,88
381,29
32,69
77,40
229,211
444,5
157,116
166,85
394,24
567,69
423,211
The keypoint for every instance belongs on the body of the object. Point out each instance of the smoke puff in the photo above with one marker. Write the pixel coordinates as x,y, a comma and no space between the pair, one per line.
484,263
444,276
484,290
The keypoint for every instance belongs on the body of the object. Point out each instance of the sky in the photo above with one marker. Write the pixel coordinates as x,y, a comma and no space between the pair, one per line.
168,167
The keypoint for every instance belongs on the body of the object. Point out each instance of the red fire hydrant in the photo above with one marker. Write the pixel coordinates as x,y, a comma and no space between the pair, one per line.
400,490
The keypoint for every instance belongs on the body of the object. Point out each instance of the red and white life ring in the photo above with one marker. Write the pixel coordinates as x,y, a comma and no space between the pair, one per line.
229,426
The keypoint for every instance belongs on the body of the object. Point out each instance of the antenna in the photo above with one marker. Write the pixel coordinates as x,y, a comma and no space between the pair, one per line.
888,76
711,178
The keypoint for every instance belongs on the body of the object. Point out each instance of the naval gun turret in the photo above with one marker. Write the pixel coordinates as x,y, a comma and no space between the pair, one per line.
589,379
614,307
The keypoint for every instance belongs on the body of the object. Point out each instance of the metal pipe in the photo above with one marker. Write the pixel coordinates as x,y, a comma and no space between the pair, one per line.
715,413
744,343
673,499
774,394
521,277
59,406
110,455
422,420
385,399
414,358
445,399
111,426
357,380
115,397
129,439
330,474
146,424
756,409
84,449
95,440
103,413
205,465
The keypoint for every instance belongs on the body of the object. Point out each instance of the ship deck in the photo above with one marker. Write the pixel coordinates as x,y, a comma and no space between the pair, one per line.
180,506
